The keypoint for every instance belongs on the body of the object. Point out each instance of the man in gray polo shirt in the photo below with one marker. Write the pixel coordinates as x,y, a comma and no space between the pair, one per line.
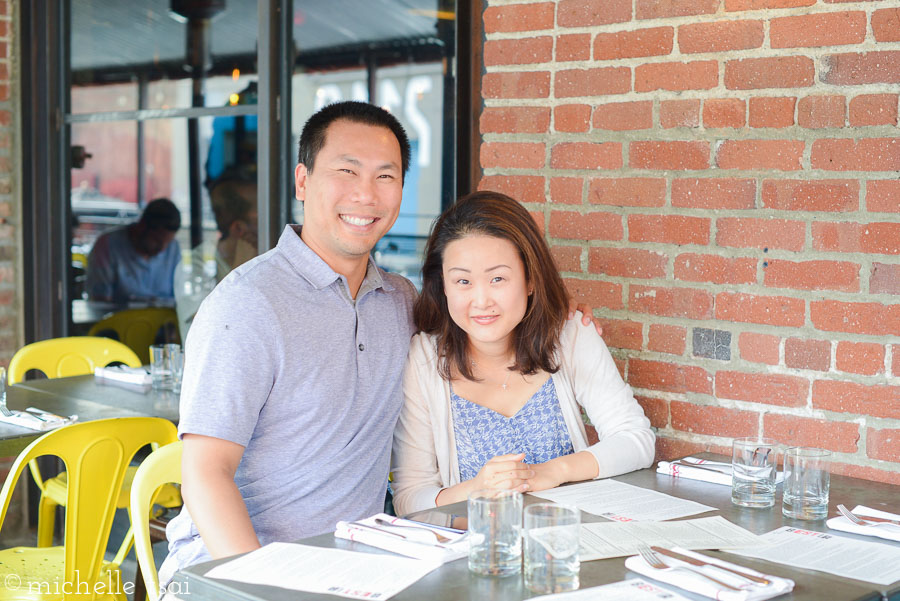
292,382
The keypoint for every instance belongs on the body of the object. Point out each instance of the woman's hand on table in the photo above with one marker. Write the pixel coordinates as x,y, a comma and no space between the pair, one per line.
504,472
568,468
546,475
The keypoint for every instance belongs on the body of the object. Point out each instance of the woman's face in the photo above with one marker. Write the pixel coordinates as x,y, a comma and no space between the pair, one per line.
486,289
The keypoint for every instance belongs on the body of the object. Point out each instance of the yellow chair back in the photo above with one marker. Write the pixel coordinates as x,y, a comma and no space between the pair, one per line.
137,328
72,356
162,466
96,455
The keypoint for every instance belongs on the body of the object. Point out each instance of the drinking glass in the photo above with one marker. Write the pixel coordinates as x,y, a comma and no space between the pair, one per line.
495,537
160,367
552,534
806,483
753,462
176,364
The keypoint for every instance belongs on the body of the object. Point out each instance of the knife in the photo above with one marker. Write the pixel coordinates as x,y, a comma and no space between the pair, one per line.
699,563
35,411
700,467
872,518
405,538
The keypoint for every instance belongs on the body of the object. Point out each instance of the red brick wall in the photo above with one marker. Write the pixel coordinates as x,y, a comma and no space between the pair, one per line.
9,327
15,523
719,179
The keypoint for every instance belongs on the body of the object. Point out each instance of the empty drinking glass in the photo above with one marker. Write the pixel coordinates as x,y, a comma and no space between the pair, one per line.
176,364
753,462
495,537
160,367
552,535
806,483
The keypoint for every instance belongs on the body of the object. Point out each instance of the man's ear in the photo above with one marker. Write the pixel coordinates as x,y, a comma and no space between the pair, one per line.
301,175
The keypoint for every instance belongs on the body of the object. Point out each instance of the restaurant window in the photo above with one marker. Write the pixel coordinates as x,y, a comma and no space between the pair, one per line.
166,99
398,55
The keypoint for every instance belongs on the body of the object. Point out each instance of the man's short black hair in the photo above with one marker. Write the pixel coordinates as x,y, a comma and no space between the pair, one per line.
312,139
161,214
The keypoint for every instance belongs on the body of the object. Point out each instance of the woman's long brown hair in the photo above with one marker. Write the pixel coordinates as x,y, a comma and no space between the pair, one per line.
536,337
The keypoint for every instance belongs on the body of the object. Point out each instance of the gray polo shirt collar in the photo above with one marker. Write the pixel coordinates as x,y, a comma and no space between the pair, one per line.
317,272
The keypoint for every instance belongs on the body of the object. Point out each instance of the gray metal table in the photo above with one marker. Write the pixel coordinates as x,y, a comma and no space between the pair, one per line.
84,396
453,582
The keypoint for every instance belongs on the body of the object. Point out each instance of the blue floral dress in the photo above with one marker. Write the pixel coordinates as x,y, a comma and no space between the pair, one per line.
538,430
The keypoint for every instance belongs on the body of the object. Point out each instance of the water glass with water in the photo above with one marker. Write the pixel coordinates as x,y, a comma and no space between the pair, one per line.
753,467
160,367
552,535
495,532
806,483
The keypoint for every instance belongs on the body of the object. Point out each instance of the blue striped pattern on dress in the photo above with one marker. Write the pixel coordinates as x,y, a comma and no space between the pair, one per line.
538,430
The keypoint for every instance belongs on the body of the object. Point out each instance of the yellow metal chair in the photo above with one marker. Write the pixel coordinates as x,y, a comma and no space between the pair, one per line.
73,356
162,467
58,358
137,328
96,455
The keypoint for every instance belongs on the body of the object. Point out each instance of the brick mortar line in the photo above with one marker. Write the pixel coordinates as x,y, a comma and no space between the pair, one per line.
660,96
869,44
704,174
699,133
758,213
816,53
765,16
732,253
860,419
856,459
737,361
783,332
760,291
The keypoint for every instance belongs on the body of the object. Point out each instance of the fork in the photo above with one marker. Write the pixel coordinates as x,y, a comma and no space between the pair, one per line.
440,537
3,408
654,561
863,522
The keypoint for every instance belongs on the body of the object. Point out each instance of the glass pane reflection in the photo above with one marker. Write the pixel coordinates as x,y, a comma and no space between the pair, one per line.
104,196
147,43
402,56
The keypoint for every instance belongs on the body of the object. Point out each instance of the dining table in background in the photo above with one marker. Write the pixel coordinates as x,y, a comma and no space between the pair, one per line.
87,397
454,582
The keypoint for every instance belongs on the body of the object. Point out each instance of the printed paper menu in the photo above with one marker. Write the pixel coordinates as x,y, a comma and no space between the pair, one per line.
850,558
622,502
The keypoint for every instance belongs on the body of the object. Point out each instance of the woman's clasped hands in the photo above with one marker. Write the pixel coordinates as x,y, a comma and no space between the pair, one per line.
509,472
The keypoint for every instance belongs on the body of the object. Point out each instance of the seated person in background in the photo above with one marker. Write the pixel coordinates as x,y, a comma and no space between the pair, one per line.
137,262
497,377
233,200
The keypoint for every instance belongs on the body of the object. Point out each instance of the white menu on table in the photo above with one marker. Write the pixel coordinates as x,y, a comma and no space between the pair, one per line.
635,589
602,540
622,502
862,560
328,571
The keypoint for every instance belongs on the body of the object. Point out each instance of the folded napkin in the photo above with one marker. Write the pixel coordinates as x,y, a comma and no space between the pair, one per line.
882,530
695,583
37,419
136,376
704,470
411,542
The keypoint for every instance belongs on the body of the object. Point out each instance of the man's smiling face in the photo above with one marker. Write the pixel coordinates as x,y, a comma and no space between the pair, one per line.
352,196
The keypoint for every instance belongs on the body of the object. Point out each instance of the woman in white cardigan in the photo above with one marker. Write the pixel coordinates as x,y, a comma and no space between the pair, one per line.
496,379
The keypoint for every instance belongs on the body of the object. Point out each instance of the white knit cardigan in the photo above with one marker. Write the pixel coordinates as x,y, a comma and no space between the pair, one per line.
424,452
